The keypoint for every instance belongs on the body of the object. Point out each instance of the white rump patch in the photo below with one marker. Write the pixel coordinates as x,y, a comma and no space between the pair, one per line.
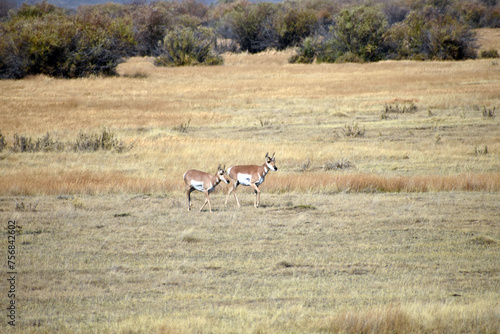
244,179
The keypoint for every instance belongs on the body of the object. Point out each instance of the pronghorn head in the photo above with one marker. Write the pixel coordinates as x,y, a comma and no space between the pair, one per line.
271,162
221,173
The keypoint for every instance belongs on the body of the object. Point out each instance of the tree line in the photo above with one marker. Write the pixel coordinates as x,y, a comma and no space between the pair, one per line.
92,40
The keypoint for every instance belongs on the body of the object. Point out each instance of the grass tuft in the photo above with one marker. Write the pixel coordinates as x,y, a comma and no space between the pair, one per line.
489,112
353,130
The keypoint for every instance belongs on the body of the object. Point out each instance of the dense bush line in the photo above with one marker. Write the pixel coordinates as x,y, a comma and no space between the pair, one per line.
363,34
46,39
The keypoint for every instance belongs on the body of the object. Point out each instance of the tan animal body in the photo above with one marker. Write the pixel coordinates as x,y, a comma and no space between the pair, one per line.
204,182
252,176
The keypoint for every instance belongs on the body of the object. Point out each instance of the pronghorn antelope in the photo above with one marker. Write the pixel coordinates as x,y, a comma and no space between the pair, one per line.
250,175
201,181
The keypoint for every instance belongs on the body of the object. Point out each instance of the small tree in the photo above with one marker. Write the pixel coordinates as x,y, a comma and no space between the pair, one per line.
253,27
429,34
357,34
187,46
293,25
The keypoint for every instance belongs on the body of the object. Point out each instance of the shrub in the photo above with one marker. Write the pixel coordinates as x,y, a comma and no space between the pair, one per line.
472,13
490,53
489,112
353,130
293,26
150,23
306,53
187,46
429,34
43,39
3,143
44,144
343,163
95,142
252,26
397,109
357,35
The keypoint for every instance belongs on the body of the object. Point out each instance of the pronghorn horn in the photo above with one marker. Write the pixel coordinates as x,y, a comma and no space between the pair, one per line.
267,155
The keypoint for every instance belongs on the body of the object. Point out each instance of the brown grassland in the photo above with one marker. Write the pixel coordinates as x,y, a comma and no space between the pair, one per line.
382,217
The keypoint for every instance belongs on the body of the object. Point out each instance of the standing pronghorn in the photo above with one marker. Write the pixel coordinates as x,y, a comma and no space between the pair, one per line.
205,182
250,175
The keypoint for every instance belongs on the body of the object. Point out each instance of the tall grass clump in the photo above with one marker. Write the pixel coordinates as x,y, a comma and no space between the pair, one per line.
187,46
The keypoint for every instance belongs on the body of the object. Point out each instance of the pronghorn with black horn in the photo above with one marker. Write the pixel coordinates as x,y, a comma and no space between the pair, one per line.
250,175
205,182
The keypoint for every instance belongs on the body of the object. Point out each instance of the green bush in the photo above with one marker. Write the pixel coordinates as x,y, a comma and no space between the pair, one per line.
306,53
429,34
357,35
252,26
490,53
293,25
43,39
187,46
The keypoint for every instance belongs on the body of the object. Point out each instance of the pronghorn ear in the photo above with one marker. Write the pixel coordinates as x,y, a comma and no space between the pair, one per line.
218,167
267,155
273,155
224,166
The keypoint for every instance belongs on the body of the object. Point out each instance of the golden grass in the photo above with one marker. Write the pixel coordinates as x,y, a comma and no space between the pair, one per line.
488,38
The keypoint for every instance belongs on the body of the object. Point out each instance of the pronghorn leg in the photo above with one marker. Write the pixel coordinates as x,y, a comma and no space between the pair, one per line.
228,194
257,195
233,189
207,200
189,191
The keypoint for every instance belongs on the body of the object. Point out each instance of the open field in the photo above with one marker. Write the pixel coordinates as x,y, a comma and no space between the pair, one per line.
383,214
426,262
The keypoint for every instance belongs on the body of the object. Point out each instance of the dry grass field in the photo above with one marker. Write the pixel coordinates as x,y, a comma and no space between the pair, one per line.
382,217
